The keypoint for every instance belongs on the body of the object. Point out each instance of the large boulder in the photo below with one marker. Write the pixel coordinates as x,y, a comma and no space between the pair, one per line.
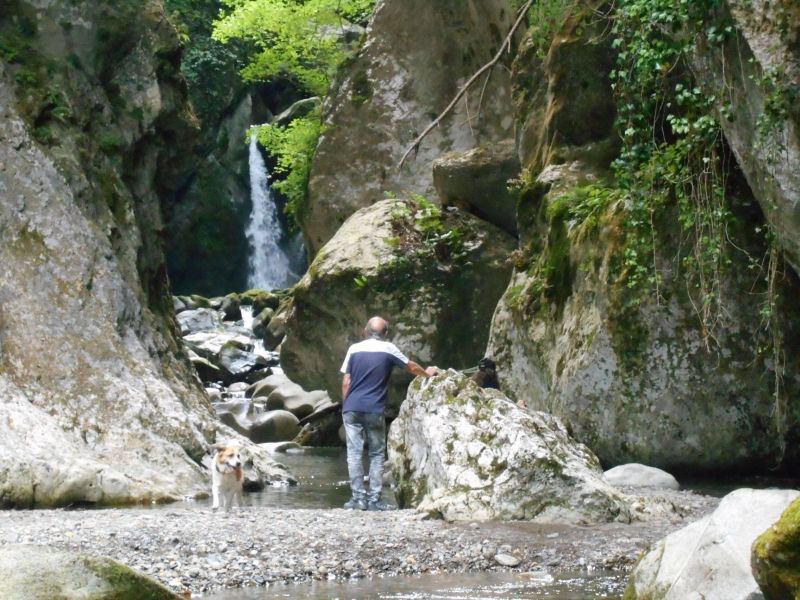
634,475
478,181
416,55
710,559
469,453
752,77
41,573
200,319
274,426
637,374
776,557
435,276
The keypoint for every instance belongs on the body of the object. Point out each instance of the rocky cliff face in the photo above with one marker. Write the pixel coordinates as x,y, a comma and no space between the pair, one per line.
754,76
97,403
637,381
415,57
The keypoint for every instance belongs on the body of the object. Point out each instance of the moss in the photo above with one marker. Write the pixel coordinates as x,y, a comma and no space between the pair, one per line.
362,88
776,556
127,584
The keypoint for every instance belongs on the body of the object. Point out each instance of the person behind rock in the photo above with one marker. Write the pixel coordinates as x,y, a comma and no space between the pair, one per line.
486,375
365,384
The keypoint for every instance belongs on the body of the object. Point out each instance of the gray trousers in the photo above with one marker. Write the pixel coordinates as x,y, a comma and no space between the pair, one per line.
359,426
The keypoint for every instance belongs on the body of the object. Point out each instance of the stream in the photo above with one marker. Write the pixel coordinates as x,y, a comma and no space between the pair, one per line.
322,484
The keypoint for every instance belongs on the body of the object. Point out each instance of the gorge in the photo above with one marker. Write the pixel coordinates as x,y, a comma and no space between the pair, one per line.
610,213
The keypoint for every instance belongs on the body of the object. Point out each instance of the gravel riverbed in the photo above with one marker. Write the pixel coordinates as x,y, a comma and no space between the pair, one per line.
193,549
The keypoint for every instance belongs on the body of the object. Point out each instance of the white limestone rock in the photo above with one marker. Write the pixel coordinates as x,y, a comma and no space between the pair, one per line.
468,453
710,559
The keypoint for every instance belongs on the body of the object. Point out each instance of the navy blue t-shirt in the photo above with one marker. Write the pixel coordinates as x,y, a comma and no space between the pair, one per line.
370,364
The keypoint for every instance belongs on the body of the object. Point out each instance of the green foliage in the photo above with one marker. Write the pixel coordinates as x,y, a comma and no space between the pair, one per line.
584,208
421,229
672,148
293,147
294,39
545,18
210,67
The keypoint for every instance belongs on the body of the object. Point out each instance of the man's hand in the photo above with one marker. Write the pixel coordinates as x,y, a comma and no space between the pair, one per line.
415,369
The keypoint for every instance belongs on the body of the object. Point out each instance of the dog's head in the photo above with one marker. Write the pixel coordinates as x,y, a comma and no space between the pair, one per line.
227,459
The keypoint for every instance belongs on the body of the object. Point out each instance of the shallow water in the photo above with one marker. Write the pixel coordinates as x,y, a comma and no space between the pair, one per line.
322,483
459,586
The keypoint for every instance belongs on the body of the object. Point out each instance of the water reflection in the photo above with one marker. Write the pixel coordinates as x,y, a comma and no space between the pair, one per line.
460,586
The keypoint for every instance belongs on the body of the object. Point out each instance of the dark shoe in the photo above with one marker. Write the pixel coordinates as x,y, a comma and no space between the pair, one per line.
356,504
379,505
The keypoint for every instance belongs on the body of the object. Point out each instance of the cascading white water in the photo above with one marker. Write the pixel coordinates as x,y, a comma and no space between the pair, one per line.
269,266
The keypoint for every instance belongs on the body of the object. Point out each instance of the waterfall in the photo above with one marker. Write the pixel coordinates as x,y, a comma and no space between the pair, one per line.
269,266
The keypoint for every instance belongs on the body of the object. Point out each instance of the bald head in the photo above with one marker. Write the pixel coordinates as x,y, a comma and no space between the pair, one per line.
377,328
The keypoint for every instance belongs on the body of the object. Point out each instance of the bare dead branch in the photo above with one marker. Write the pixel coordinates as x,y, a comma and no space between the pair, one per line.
506,44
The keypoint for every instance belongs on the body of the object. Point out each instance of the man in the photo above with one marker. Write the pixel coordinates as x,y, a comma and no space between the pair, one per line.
365,385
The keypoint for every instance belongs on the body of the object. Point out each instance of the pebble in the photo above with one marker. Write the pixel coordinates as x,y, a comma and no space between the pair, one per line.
507,560
192,549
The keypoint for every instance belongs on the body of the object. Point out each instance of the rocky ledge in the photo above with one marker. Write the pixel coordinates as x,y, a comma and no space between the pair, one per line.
192,549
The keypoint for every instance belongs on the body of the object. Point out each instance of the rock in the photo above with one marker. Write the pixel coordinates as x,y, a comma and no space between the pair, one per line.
264,387
235,414
299,109
41,573
230,308
261,322
178,305
636,475
507,560
776,557
238,387
210,344
275,331
260,299
293,398
274,426
260,374
388,94
280,447
438,305
214,395
200,319
710,558
749,75
478,181
237,363
206,370
469,453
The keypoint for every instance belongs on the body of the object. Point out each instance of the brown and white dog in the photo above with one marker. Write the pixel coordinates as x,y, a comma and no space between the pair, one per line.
226,476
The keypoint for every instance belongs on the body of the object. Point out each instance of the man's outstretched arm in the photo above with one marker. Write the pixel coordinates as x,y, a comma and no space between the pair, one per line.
415,369
345,385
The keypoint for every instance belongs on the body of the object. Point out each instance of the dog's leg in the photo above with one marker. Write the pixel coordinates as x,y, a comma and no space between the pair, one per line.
214,495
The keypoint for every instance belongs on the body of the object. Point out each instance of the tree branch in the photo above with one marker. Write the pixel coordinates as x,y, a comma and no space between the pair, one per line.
506,43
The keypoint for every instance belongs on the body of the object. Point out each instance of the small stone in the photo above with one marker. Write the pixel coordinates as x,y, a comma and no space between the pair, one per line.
506,560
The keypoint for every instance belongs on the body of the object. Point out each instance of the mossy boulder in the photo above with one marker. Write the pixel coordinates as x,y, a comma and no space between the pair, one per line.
467,453
710,558
776,557
434,275
42,573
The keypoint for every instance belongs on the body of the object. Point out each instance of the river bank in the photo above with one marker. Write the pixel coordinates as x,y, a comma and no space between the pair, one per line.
193,549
